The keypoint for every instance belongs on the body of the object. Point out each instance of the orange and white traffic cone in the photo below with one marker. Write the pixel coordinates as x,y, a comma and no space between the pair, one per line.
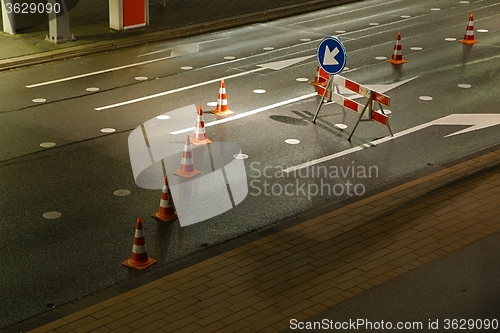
318,80
200,137
469,33
222,108
187,167
139,258
166,212
397,56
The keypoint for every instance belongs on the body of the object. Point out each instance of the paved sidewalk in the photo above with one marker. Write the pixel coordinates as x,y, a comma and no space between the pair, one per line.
306,266
89,23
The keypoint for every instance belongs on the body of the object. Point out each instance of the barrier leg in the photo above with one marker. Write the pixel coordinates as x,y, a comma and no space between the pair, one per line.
329,84
383,112
368,103
389,127
338,93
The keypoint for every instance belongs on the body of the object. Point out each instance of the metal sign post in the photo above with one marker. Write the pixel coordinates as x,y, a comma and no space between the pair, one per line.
59,31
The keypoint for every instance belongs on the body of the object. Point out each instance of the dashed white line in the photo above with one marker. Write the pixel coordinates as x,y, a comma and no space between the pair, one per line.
176,90
96,73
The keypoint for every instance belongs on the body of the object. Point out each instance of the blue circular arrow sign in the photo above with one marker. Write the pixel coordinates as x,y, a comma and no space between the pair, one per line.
332,55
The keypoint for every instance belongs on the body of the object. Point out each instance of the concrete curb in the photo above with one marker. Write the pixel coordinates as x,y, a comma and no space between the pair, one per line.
169,34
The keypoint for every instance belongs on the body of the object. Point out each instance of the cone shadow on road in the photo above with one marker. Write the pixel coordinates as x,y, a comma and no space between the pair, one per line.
466,50
322,123
288,120
397,72
164,231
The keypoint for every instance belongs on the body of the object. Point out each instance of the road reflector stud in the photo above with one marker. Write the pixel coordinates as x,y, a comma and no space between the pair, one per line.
139,259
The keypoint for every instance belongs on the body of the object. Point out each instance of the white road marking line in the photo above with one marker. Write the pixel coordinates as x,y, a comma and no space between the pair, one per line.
248,113
323,159
96,73
176,90
153,52
355,149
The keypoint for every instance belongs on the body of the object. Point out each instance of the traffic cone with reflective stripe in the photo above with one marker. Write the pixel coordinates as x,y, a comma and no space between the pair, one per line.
200,137
166,212
469,33
397,56
222,108
187,167
139,258
318,80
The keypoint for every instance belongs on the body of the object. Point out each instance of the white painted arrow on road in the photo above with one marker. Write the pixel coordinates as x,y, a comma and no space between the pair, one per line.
478,121
272,65
277,65
475,121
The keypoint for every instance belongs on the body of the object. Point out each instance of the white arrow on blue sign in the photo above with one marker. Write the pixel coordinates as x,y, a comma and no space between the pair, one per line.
332,55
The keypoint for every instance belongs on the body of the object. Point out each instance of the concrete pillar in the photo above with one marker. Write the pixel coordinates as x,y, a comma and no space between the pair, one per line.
9,23
59,24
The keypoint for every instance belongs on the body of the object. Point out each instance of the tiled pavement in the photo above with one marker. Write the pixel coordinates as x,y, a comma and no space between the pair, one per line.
304,269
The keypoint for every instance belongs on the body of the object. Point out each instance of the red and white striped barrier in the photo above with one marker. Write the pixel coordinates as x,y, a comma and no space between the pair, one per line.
362,90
